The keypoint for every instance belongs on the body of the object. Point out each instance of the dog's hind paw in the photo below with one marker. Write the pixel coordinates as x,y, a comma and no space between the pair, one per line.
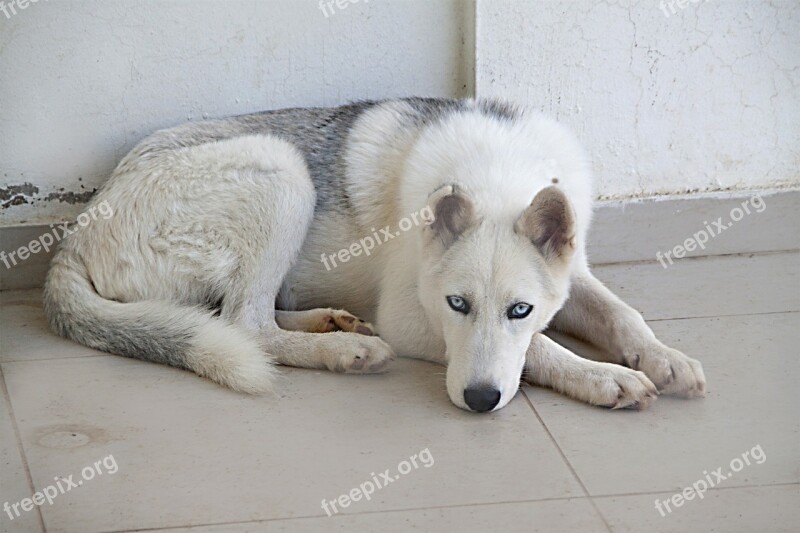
340,320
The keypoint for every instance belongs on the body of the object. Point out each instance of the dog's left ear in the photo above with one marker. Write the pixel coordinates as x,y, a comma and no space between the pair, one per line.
451,214
549,223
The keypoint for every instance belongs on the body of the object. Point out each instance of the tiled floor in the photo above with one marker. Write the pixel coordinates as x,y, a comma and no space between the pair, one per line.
189,454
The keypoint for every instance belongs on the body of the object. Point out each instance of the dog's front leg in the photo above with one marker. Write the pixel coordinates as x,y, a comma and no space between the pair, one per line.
549,364
594,314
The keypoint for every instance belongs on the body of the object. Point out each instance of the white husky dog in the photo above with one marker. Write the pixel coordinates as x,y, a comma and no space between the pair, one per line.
236,244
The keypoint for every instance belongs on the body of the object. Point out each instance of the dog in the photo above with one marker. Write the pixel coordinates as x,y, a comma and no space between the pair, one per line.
241,242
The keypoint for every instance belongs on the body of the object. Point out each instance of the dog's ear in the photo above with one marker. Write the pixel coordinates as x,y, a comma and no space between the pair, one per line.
549,223
452,213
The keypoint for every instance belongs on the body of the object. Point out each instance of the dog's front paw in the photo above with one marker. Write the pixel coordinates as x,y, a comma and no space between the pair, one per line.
670,370
362,355
618,387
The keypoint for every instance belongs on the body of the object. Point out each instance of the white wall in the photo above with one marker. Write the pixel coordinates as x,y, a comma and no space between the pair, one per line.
82,81
704,98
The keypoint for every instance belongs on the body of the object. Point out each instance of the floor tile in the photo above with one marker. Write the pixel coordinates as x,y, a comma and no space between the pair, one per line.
217,456
709,286
24,333
752,369
529,517
14,486
763,509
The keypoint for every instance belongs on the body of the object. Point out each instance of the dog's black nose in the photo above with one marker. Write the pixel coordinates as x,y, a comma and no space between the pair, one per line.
481,400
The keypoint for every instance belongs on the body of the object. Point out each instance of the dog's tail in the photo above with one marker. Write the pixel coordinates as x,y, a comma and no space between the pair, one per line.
159,331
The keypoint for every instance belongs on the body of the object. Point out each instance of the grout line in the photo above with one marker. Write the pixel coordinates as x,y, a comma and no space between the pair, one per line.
721,316
566,461
787,251
455,506
351,514
62,358
20,448
711,489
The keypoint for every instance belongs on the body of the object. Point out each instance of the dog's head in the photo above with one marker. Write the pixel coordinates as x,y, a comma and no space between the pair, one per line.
490,286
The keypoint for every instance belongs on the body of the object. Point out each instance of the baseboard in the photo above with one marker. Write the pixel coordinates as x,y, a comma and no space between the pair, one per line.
622,231
640,230
27,273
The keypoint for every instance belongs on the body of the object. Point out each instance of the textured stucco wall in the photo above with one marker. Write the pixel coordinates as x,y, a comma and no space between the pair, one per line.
82,81
706,97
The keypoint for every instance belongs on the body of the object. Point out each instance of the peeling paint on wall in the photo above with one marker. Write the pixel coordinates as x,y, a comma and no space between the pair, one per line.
17,194
70,197
28,194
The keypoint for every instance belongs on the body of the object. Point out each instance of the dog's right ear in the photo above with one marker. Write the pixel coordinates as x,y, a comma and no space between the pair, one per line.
451,214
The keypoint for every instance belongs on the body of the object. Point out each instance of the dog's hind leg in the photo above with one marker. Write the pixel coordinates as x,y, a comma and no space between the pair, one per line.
323,321
549,364
593,313
275,201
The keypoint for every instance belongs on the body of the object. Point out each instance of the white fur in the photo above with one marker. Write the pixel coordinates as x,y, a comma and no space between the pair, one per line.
236,219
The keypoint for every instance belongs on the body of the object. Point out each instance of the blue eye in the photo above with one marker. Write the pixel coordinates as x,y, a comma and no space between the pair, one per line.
459,304
519,310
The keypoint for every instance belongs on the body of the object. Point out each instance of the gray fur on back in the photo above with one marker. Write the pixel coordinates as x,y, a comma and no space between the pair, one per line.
318,132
